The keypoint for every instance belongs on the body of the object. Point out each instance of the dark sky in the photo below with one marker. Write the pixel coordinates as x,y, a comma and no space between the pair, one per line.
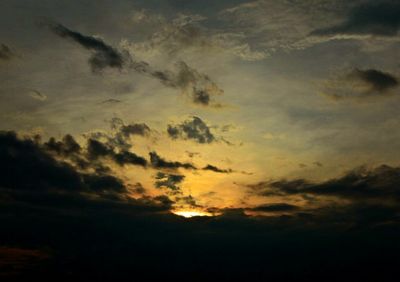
190,140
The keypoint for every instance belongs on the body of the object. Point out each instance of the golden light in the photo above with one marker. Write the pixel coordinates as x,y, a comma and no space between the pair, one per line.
192,213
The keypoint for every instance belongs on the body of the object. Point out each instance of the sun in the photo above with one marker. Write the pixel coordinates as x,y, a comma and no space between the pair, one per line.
191,213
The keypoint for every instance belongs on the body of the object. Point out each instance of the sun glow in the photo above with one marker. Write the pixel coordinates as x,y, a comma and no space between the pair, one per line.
192,213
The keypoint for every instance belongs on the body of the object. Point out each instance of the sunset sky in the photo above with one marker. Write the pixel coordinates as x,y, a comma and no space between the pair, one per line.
265,114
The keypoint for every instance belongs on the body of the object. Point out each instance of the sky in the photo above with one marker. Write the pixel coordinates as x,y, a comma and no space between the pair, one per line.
255,126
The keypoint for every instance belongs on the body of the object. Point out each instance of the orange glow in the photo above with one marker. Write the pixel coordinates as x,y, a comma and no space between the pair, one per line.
191,213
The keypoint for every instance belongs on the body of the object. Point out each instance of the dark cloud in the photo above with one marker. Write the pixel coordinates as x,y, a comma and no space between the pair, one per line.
318,164
216,169
26,165
111,101
15,260
138,188
192,154
104,183
97,149
103,55
361,84
35,94
198,86
277,207
66,146
74,213
125,131
169,181
6,53
194,129
135,129
30,174
376,79
121,134
204,6
372,18
362,184
187,201
159,162
126,157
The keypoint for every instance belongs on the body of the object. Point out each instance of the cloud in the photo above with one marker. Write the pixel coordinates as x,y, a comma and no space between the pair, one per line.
193,129
26,165
103,183
318,164
6,53
37,95
116,146
380,18
380,184
359,83
158,162
267,26
97,149
216,169
103,55
135,129
14,260
191,33
66,147
377,80
121,134
33,175
138,188
186,201
74,212
276,207
111,101
126,157
199,87
169,181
